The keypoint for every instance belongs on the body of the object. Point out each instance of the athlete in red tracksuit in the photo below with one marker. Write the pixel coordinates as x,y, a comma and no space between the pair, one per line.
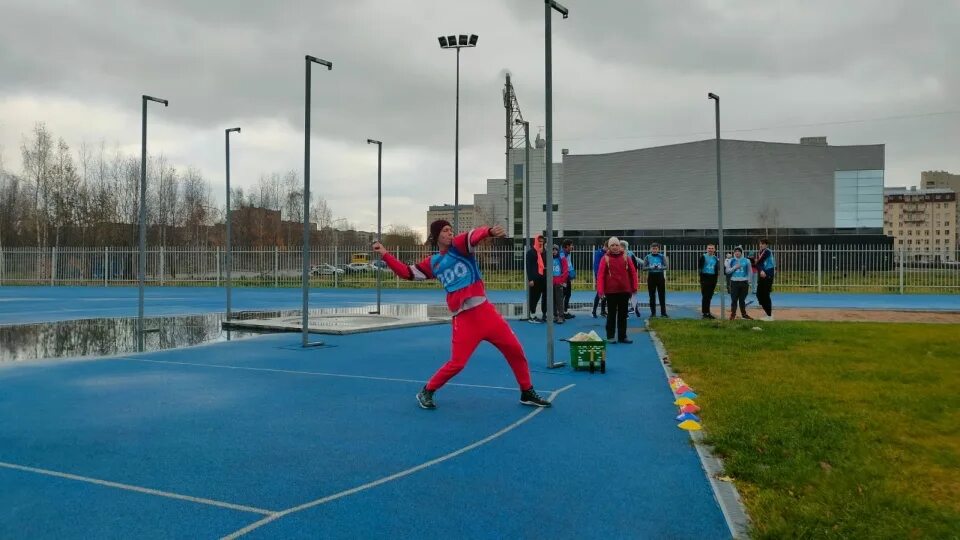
475,319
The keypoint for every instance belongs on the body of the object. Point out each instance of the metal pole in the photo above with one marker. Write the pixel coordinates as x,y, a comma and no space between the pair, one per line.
229,261
526,215
305,278
456,158
720,251
142,262
548,58
142,266
379,216
305,317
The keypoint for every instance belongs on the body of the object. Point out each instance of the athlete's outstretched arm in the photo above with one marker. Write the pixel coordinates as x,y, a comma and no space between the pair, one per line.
418,271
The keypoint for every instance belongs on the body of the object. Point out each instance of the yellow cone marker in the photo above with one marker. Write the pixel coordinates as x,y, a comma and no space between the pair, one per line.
689,425
683,401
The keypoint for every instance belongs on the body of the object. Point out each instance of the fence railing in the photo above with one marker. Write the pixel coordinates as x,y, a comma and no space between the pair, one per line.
817,268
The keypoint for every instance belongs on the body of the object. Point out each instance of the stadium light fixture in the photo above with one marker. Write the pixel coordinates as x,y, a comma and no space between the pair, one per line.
457,42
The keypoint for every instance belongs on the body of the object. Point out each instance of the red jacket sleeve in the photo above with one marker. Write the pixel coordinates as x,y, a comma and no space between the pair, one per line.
421,270
564,269
601,272
465,242
633,278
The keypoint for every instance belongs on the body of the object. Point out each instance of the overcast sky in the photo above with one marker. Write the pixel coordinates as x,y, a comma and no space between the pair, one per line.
627,74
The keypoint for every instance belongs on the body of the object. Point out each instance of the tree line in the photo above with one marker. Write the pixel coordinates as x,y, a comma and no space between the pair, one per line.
91,198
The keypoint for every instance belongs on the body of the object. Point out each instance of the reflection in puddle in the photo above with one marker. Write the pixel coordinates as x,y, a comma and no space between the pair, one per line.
102,337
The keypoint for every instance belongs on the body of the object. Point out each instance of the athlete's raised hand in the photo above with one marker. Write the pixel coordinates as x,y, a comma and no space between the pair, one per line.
498,231
378,248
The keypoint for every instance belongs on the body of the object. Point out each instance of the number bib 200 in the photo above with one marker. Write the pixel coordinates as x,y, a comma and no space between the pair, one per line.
454,271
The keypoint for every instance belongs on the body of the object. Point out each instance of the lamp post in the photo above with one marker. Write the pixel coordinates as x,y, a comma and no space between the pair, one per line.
229,261
305,318
142,266
720,249
457,42
550,5
379,208
526,210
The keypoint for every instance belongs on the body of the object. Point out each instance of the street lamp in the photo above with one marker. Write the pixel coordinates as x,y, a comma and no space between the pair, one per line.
720,248
379,208
229,219
305,319
548,60
142,270
457,42
526,209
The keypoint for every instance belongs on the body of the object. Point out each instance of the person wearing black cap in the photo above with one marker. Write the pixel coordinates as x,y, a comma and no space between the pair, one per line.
475,319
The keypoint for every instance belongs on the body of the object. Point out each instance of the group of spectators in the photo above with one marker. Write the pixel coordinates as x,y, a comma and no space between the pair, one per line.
618,270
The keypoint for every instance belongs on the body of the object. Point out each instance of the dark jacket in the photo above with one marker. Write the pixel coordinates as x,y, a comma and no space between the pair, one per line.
532,268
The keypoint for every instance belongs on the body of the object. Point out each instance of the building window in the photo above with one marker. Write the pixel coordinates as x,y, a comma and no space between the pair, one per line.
555,207
518,171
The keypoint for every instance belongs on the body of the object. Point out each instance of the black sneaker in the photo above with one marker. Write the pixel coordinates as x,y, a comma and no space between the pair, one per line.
626,341
594,314
568,316
425,399
708,316
533,320
530,397
664,315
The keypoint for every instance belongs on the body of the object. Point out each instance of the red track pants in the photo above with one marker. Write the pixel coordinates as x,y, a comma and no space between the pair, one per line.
482,323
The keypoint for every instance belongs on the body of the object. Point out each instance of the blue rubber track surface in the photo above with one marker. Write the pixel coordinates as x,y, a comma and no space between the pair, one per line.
45,304
265,426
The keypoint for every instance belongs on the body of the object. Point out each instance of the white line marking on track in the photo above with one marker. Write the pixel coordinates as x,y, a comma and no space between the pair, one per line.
314,373
277,515
138,489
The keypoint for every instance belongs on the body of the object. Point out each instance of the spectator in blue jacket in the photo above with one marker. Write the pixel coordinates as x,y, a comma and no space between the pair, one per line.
598,298
655,263
567,253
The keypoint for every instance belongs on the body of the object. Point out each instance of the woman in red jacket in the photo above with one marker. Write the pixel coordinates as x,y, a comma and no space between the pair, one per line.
617,282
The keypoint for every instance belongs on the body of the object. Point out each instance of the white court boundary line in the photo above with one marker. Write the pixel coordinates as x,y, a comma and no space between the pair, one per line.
314,373
277,515
138,489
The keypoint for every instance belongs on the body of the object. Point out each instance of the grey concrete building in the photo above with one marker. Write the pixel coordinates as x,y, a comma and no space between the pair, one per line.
808,192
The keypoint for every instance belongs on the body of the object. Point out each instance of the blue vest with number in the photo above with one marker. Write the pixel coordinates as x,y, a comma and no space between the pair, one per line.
709,264
454,271
744,271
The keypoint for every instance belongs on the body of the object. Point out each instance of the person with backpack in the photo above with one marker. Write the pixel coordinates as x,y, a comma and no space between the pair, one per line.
766,266
560,273
655,263
598,298
567,253
708,267
617,282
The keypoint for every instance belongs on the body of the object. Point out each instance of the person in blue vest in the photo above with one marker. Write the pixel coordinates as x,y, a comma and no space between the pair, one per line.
766,265
739,270
475,318
708,266
655,263
598,298
567,253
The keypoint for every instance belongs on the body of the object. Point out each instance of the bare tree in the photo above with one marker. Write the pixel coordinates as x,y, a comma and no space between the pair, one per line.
401,235
37,157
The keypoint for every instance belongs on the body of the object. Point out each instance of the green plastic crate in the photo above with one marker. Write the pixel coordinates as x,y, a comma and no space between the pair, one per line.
580,353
